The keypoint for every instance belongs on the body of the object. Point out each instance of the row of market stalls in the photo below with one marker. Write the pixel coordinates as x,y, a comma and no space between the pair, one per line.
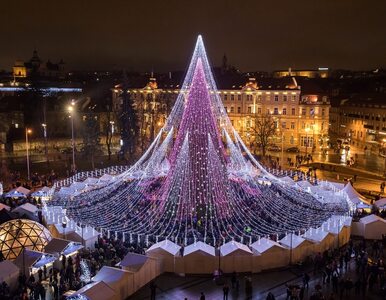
90,183
200,258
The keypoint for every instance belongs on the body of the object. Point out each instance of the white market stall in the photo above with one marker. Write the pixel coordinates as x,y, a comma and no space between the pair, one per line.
321,239
166,251
298,247
33,261
97,291
372,227
87,236
60,247
235,256
121,281
144,268
199,258
6,207
268,254
381,204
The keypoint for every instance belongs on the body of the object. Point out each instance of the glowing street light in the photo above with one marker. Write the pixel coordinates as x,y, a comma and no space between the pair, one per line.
70,109
27,132
307,130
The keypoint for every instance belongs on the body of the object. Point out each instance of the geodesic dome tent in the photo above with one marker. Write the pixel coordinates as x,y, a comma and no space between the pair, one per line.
21,233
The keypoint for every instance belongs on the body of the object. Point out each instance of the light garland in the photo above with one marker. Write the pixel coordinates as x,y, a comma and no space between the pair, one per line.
199,182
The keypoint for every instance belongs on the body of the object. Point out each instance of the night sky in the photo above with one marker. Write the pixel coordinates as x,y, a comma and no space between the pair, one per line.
160,35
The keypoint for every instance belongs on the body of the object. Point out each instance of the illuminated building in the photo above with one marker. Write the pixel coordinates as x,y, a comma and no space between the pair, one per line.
300,116
361,119
319,73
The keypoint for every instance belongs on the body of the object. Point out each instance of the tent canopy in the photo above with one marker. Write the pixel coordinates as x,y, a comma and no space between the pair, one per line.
232,247
304,184
199,247
18,192
167,246
133,260
264,244
353,195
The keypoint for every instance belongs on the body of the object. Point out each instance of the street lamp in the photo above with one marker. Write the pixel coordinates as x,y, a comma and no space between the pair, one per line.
70,110
64,225
282,147
307,130
27,132
112,127
44,125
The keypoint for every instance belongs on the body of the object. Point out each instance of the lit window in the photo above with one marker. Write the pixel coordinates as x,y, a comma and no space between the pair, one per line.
293,111
275,111
276,97
292,125
284,111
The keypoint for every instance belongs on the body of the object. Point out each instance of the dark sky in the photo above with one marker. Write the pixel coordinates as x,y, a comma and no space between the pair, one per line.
141,35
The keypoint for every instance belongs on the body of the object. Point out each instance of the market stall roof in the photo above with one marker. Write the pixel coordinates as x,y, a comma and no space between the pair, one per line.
41,192
26,208
199,247
6,207
315,235
167,246
292,241
97,291
381,203
232,247
7,269
110,275
264,244
34,259
60,246
18,192
133,260
371,219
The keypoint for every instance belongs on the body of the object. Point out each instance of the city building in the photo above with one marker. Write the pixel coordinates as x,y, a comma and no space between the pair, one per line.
36,66
301,119
318,73
361,120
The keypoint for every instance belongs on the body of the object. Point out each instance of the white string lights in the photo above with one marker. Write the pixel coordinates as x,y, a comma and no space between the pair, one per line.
194,183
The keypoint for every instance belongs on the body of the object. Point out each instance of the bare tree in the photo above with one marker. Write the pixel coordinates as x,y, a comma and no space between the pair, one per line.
263,129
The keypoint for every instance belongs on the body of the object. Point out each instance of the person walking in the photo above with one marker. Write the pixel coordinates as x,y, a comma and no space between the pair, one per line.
226,291
153,290
202,297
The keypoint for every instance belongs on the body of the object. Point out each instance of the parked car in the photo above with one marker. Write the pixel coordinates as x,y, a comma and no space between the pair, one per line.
293,150
66,150
274,148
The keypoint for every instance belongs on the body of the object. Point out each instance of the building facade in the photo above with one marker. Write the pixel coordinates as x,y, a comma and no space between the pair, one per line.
301,120
361,120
